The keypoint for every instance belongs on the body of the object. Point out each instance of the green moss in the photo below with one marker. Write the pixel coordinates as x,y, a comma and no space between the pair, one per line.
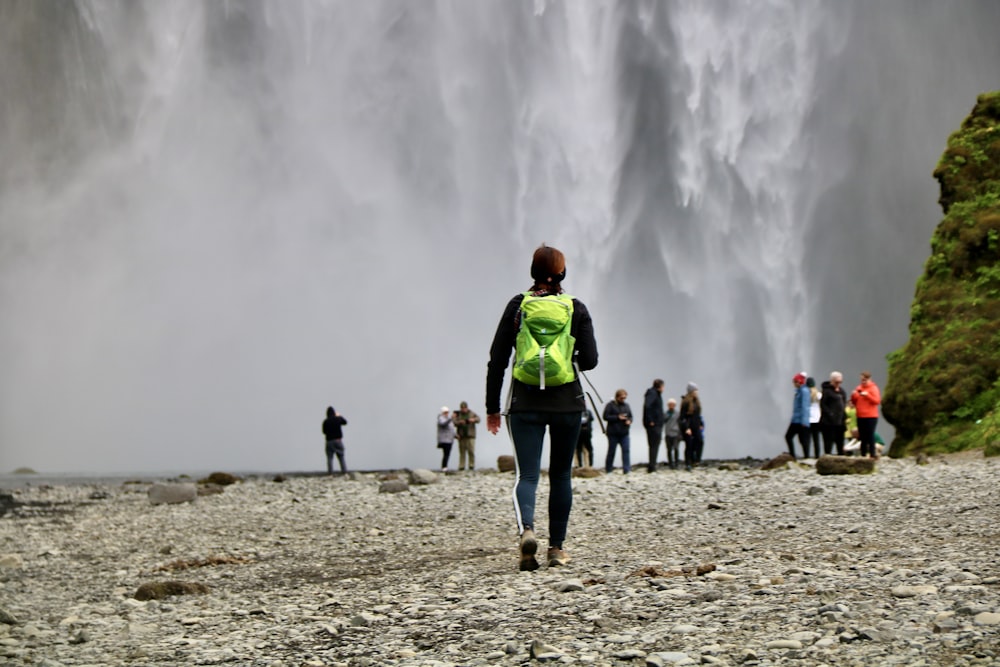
944,384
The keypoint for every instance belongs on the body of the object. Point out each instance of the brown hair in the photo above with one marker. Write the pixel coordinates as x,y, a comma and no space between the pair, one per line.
866,375
548,267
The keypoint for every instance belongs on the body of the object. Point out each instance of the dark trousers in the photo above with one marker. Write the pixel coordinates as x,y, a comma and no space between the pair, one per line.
445,453
614,440
815,430
866,434
670,442
800,430
833,438
693,446
527,429
335,448
653,435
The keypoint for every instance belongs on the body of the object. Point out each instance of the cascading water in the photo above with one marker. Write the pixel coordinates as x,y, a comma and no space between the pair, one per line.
216,219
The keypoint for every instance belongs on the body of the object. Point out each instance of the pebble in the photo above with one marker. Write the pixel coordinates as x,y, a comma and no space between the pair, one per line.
329,571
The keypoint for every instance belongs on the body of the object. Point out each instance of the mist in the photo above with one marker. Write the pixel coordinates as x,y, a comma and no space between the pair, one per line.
218,218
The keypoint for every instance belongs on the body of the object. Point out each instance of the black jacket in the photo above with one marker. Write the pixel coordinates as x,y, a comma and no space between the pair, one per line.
617,425
527,398
331,427
652,408
832,405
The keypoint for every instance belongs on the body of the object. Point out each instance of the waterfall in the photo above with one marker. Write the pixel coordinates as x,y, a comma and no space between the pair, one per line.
217,218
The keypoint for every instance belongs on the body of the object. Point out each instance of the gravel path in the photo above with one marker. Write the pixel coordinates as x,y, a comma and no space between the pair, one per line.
732,567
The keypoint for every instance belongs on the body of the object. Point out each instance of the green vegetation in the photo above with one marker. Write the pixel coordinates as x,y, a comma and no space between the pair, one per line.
943,389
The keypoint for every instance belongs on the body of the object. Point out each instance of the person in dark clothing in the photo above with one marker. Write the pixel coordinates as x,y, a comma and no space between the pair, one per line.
332,429
618,417
532,409
652,419
584,447
833,414
691,426
799,424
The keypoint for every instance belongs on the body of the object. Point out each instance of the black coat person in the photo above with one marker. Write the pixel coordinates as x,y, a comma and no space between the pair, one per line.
652,420
334,432
833,414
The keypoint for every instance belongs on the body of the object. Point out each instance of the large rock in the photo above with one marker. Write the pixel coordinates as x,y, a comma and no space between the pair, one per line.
220,478
172,494
157,590
422,476
505,463
780,461
393,486
844,465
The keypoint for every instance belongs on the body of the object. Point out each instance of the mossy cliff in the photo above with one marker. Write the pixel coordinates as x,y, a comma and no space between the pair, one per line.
943,388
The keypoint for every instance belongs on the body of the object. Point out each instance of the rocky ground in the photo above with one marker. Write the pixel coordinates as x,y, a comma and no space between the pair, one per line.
731,567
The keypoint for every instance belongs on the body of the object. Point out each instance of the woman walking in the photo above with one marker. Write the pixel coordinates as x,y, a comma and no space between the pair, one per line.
545,392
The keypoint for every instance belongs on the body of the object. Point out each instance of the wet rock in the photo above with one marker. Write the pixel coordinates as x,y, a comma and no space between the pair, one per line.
844,465
158,590
778,462
505,463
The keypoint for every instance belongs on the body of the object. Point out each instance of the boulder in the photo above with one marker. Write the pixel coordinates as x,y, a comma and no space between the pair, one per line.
393,486
505,463
157,590
172,494
844,465
220,478
780,461
422,476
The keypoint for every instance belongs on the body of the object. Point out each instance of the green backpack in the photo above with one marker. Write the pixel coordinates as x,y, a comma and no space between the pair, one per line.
543,349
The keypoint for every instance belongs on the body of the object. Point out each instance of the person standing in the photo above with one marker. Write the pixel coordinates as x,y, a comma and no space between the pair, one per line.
866,398
465,425
814,414
671,432
618,417
446,435
799,425
652,419
536,402
692,426
833,418
334,432
584,446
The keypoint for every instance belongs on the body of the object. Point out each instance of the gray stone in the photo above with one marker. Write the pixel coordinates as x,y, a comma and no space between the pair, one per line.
172,494
784,644
7,618
569,585
814,490
987,618
913,591
423,476
394,486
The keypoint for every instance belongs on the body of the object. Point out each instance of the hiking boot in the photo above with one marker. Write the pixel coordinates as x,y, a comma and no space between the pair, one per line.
529,547
557,557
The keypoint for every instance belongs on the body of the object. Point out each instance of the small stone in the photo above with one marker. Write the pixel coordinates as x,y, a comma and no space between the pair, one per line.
422,476
7,618
913,591
784,644
987,618
394,486
11,562
814,490
569,585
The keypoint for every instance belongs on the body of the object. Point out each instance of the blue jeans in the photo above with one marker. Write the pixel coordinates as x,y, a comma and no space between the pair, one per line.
527,429
613,441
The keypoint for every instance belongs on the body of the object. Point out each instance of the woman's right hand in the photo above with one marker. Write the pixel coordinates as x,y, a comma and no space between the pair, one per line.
493,423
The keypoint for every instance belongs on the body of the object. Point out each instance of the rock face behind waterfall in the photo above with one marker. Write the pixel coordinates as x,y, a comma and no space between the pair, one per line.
943,388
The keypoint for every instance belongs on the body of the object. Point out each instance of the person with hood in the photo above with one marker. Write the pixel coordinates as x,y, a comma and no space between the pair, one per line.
446,435
618,417
866,398
692,426
334,433
833,418
652,419
799,425
533,408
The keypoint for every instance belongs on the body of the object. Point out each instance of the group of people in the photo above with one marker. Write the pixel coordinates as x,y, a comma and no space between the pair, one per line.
670,425
829,412
462,425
